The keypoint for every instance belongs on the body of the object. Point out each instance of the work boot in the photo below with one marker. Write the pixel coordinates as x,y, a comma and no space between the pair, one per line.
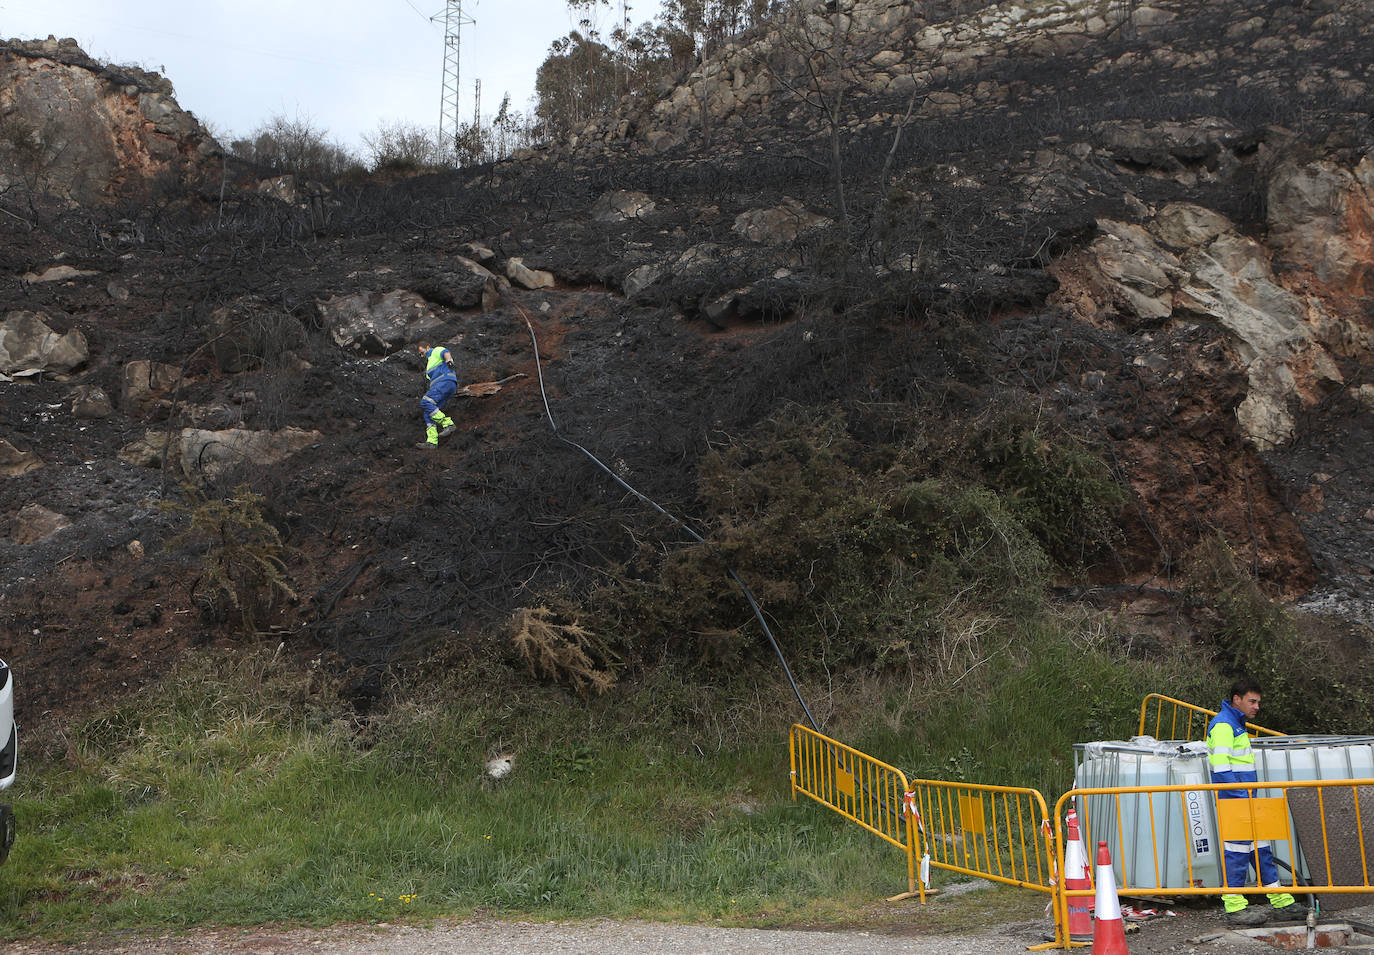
1292,912
447,430
427,445
1251,916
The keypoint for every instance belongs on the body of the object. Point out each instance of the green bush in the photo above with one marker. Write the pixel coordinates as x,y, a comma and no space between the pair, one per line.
1311,683
865,540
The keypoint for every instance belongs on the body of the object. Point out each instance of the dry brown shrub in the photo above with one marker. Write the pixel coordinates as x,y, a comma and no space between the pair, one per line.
566,653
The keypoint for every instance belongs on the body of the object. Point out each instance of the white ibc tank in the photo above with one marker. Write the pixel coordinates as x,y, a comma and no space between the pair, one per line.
1159,840
1303,758
1169,839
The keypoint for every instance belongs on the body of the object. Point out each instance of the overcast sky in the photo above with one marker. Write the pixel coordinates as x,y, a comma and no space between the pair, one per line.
346,65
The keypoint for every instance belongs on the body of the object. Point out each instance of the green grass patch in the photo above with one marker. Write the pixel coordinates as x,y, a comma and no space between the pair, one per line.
239,793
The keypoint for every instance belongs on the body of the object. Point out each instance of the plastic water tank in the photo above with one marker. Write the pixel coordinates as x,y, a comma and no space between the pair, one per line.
1157,840
1169,839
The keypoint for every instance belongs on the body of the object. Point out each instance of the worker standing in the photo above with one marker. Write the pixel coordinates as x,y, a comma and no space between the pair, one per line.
443,383
1231,760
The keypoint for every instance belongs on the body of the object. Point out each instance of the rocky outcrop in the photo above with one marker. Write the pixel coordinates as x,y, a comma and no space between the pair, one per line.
1283,301
83,130
34,523
202,455
29,347
14,462
1321,220
145,385
376,323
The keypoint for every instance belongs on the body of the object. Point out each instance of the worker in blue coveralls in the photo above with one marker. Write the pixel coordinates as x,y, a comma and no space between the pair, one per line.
1231,760
443,382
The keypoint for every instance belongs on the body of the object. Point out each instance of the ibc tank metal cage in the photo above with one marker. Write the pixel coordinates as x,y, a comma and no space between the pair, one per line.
1170,839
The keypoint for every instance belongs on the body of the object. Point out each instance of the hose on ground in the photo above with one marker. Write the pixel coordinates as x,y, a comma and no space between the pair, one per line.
748,595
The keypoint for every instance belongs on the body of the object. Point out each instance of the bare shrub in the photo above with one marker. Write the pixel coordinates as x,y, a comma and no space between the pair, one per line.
295,146
567,653
405,147
241,554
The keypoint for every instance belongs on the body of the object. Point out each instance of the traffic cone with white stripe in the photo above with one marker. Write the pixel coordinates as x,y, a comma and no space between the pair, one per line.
1076,877
1109,931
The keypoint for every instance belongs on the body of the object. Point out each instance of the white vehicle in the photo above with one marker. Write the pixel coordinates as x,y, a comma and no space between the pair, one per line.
9,757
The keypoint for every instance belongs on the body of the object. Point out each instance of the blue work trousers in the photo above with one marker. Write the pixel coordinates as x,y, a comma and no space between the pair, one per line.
441,389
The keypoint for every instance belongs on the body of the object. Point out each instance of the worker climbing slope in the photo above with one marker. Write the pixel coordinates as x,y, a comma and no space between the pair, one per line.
443,383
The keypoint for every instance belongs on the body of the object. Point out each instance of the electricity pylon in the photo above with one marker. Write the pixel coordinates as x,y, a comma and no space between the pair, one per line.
453,20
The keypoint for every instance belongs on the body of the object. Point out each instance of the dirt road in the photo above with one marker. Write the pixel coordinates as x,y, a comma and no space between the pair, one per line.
1188,933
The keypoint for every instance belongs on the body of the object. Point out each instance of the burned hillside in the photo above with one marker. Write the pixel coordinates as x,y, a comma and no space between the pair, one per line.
1030,238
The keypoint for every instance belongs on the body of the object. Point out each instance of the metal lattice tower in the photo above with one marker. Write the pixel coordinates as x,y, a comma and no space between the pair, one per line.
454,20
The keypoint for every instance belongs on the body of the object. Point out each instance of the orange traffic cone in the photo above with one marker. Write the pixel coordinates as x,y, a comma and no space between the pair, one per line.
1109,931
1076,877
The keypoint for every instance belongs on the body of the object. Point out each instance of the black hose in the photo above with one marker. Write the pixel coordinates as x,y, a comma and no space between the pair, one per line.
748,595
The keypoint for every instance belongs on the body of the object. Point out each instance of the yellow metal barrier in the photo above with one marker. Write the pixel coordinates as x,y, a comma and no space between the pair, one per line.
1323,829
994,832
1185,721
858,787
999,833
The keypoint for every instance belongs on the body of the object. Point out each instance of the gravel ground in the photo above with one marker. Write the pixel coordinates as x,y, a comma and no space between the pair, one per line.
1191,933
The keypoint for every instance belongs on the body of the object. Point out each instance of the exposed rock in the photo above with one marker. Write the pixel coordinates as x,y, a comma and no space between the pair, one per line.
528,278
109,130
1182,225
621,205
479,253
468,285
641,278
34,523
1225,278
1321,219
14,462
279,187
144,384
779,224
57,273
90,402
374,323
252,334
208,454
150,451
29,347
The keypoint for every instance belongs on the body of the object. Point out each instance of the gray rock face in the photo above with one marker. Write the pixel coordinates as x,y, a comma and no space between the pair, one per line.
34,523
528,278
208,454
88,131
621,205
14,462
466,285
250,334
201,454
29,347
90,402
779,224
374,323
1321,217
1189,263
144,384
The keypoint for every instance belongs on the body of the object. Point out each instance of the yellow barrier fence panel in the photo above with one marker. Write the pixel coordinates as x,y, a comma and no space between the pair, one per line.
994,832
1253,820
1164,717
1167,840
860,788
